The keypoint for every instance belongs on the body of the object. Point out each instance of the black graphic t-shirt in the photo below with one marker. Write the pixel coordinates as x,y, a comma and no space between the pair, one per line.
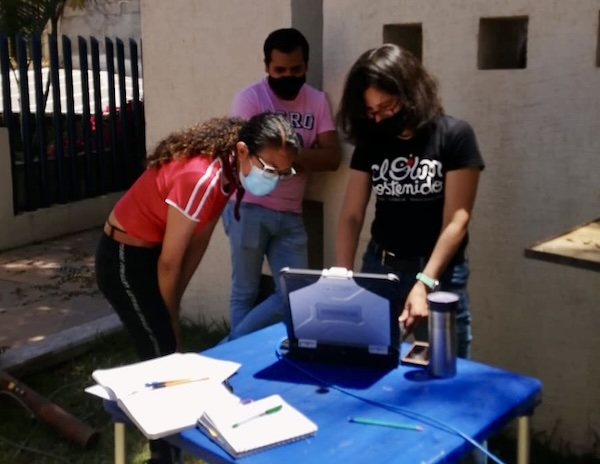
408,179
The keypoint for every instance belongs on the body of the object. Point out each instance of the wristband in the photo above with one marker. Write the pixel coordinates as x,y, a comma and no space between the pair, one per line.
430,283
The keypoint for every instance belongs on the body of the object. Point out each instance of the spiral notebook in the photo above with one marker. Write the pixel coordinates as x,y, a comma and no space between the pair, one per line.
157,412
256,426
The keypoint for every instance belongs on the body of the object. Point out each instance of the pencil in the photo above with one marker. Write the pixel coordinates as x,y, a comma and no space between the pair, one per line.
382,423
171,383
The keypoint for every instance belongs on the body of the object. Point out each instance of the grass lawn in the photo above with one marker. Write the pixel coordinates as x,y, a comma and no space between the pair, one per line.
24,440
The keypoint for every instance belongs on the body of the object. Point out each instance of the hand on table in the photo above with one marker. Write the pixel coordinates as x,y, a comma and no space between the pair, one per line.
415,307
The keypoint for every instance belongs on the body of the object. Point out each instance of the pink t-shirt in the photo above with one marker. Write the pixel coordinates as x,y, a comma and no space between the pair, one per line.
309,115
192,185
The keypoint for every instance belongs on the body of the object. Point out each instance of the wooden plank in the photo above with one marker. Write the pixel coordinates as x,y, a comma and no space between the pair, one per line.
577,247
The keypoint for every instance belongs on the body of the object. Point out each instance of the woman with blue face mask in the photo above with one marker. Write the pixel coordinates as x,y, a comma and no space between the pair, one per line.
262,177
157,233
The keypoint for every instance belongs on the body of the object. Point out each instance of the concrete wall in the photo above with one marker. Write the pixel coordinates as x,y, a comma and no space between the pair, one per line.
115,19
103,18
45,223
538,130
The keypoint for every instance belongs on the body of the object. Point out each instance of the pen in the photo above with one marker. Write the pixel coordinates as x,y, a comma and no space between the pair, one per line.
396,425
264,413
170,383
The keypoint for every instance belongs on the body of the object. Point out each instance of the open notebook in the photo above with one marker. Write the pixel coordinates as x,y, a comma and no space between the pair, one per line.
242,429
162,411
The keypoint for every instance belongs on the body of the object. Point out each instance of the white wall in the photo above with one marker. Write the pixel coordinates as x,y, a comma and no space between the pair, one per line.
103,18
113,19
538,131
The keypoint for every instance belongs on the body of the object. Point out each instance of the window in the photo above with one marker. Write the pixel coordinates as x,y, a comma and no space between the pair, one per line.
408,36
503,43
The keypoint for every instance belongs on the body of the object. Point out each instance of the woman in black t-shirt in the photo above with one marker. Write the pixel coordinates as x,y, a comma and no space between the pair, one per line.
423,167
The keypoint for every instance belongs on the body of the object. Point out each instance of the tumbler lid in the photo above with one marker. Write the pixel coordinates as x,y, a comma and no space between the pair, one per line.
442,301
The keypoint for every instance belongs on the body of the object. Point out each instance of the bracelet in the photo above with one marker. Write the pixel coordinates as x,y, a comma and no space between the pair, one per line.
431,284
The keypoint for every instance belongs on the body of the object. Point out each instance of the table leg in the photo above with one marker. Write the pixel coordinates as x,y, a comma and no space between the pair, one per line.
523,440
119,443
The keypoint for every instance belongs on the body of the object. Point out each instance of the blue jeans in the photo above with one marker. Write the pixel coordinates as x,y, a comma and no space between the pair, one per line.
260,232
454,279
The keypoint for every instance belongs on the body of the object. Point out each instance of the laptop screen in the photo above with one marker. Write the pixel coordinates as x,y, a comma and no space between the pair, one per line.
339,308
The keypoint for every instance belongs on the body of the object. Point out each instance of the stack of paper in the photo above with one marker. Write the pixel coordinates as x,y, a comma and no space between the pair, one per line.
241,429
165,395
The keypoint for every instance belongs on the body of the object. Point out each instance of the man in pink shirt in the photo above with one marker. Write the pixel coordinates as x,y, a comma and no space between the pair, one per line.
272,225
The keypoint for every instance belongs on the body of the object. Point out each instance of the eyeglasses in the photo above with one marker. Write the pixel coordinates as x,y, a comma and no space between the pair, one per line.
386,109
270,172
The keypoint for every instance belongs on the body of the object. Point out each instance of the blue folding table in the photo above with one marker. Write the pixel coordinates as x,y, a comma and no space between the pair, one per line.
478,402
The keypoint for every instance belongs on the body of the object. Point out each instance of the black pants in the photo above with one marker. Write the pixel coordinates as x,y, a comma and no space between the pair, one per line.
127,276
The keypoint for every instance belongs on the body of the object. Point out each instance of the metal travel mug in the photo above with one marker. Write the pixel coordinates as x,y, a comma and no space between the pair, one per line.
442,333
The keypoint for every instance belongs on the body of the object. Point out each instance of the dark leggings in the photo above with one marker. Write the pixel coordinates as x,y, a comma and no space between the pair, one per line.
127,276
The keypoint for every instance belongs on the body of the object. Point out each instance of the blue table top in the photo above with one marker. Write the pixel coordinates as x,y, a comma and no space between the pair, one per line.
478,402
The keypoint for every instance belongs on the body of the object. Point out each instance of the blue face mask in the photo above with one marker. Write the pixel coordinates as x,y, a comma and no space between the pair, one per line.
256,183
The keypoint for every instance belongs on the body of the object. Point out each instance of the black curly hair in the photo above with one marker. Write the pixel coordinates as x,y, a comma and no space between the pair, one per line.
215,137
218,137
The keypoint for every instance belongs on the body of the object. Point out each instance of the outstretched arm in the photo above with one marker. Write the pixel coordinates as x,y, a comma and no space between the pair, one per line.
171,267
352,217
461,189
195,253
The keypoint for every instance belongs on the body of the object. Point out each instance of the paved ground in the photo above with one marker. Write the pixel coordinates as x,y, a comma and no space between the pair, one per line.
49,298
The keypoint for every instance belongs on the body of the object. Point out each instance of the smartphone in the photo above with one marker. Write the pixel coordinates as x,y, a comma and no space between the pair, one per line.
417,355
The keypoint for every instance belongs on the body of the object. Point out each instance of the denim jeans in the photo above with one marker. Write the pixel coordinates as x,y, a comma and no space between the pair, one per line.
454,279
260,232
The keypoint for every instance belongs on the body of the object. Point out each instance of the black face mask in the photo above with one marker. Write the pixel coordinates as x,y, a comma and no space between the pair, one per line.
389,127
288,87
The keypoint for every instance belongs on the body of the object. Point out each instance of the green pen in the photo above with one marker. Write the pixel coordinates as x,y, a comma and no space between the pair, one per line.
382,423
272,410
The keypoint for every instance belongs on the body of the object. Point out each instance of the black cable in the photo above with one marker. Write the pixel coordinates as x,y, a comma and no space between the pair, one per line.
406,412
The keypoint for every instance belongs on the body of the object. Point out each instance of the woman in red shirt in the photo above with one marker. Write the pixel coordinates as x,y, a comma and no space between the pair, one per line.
157,233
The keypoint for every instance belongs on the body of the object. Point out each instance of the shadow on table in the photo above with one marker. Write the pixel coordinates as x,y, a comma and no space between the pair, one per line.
298,372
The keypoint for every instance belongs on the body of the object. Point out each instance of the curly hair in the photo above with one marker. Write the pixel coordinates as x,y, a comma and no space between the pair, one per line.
395,71
215,137
218,137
